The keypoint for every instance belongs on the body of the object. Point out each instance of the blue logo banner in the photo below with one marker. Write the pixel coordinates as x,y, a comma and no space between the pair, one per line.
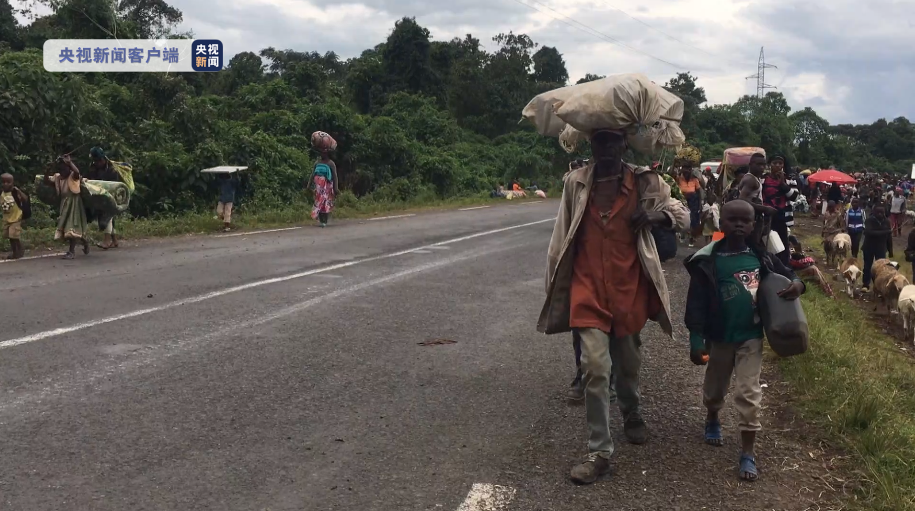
207,55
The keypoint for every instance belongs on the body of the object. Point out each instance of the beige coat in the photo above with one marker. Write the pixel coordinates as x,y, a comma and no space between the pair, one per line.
654,195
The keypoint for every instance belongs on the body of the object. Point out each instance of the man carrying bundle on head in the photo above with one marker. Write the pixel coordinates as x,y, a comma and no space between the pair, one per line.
604,276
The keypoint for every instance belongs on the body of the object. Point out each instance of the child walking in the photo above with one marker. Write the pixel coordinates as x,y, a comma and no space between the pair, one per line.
726,332
710,217
13,202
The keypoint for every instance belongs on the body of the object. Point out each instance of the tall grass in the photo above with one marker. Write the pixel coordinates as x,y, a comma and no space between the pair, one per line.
860,388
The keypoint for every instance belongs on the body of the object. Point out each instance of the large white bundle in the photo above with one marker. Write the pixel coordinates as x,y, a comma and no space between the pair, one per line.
648,113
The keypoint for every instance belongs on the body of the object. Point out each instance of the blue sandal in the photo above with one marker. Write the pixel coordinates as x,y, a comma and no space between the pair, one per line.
713,433
748,468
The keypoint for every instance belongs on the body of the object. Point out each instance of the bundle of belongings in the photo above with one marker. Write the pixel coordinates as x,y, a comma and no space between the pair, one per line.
648,114
323,141
687,156
644,112
108,197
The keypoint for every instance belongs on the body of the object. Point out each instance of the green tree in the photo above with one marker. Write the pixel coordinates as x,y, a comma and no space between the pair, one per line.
549,67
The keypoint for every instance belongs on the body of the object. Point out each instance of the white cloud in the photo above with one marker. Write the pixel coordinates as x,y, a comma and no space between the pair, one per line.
851,61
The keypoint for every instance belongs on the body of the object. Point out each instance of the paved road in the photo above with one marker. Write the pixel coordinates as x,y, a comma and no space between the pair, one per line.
282,371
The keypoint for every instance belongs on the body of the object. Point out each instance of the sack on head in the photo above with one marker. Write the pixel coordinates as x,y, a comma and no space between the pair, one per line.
323,141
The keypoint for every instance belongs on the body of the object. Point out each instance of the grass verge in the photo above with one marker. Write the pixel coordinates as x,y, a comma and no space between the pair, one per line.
856,384
41,237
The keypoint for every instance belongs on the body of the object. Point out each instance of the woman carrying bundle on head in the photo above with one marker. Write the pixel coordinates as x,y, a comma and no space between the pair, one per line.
323,180
687,159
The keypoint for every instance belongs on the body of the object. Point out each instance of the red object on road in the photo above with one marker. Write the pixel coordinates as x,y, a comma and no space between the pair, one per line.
831,176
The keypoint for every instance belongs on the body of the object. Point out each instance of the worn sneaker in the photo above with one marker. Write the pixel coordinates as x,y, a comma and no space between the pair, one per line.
590,470
635,429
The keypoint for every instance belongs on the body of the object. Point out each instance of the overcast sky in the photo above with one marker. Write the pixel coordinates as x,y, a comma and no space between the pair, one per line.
853,62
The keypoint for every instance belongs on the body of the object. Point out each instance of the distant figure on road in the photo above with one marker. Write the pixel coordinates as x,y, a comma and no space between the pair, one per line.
101,169
604,280
897,212
725,331
228,184
324,183
71,220
686,160
13,202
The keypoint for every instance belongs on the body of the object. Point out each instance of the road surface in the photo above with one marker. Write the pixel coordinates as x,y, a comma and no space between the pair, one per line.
283,371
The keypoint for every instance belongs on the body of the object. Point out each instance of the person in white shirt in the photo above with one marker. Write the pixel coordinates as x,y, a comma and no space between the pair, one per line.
897,212
710,216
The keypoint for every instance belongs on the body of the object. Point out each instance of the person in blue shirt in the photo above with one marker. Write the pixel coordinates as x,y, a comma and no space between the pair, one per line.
854,219
725,329
228,184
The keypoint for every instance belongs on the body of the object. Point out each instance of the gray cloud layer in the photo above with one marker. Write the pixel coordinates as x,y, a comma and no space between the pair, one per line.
852,62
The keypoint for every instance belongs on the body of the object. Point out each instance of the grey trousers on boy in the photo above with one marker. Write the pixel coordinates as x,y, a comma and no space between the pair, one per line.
600,354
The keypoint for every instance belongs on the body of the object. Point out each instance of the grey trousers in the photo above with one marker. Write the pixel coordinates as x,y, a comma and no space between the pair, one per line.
601,354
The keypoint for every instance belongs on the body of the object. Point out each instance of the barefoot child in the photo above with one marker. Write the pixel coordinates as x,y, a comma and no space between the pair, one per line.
13,201
725,330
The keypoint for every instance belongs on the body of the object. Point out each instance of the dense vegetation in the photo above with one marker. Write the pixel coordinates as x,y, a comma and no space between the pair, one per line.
413,116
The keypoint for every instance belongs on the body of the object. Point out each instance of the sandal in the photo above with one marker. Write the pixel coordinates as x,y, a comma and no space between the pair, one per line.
103,247
748,468
713,433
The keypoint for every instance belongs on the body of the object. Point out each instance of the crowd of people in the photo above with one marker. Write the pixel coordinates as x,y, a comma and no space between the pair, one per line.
604,228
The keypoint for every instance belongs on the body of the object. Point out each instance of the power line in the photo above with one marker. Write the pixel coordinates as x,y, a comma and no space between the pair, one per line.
665,34
592,31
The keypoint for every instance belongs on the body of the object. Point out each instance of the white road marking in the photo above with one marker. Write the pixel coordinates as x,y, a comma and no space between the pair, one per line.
255,232
487,497
471,209
244,287
58,254
422,252
440,248
529,203
78,380
390,217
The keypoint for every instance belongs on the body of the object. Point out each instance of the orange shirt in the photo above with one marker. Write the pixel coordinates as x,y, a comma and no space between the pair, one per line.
610,291
691,186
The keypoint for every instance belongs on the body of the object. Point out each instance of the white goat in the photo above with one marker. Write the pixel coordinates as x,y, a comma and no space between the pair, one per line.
907,311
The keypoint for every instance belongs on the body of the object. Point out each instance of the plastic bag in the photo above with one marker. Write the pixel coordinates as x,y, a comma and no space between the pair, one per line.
648,113
783,320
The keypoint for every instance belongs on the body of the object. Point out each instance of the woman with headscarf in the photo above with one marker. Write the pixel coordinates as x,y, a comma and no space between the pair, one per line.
688,158
323,180
71,220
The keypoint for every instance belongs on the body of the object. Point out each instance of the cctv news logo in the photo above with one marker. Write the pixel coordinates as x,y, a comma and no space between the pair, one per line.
207,55
133,55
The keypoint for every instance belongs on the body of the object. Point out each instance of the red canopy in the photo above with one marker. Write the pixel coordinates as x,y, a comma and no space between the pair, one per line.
831,176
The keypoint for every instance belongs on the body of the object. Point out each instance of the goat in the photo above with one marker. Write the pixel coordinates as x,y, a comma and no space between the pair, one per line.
851,271
890,291
837,249
906,305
